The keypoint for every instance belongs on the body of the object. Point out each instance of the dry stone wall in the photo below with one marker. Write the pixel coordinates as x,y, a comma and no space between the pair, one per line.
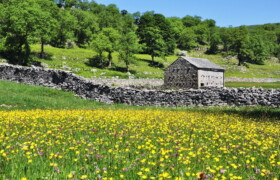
89,89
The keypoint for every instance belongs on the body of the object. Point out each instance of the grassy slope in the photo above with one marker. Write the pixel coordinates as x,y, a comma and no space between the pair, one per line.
14,96
78,58
274,85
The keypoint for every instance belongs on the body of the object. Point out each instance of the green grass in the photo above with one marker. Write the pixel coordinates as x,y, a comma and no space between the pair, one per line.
267,85
77,59
271,69
134,145
14,96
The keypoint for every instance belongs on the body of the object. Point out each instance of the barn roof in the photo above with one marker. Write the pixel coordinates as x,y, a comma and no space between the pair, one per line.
202,63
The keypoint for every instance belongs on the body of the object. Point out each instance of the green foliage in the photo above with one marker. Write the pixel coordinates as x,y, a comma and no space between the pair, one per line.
65,30
129,45
155,45
129,42
187,39
20,22
84,23
190,21
156,32
260,50
85,27
215,40
106,40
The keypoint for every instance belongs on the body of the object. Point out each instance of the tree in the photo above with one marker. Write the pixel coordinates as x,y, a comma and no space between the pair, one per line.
129,42
21,21
113,37
106,41
154,43
65,31
241,45
187,39
109,17
190,21
158,25
215,40
48,24
177,27
226,35
86,26
99,44
259,49
129,45
202,32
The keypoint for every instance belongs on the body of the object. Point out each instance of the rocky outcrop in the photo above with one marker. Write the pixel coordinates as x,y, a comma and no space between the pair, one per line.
92,90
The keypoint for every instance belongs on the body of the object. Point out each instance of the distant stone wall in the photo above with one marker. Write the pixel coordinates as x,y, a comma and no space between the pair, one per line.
89,89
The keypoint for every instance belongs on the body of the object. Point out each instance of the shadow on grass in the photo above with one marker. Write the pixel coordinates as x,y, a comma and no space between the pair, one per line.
257,113
122,69
47,56
97,62
153,63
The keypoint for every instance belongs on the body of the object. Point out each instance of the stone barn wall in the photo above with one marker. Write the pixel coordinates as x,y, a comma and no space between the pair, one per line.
181,74
89,89
207,78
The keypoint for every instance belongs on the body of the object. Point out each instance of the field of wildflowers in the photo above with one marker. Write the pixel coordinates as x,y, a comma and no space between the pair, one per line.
136,144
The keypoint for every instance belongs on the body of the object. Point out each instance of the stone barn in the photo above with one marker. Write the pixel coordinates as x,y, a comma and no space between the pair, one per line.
187,72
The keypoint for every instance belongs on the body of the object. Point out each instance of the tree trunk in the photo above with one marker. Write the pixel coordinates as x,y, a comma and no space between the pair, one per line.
127,66
110,59
42,55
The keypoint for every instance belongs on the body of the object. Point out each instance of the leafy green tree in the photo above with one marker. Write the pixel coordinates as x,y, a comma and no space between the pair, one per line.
210,23
106,40
109,16
99,44
177,27
190,21
226,35
154,43
215,40
260,50
86,26
48,24
187,39
129,42
65,31
162,29
129,45
241,45
113,37
202,32
20,22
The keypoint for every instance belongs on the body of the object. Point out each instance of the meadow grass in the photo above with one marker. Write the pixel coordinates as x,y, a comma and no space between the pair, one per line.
265,85
90,140
136,144
78,60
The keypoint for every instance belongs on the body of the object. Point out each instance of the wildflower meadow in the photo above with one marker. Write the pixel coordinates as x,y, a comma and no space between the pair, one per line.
136,144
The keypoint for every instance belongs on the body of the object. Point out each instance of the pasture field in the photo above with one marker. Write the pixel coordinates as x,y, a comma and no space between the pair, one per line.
77,60
137,144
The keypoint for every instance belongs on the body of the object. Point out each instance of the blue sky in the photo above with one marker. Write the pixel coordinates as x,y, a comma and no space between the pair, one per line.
224,12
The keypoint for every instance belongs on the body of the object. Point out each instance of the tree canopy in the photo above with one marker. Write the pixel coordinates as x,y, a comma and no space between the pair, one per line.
87,24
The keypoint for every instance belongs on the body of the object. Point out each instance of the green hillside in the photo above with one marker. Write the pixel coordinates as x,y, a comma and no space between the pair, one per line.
77,60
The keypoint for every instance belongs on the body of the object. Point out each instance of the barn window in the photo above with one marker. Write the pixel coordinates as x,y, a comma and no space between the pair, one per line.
202,84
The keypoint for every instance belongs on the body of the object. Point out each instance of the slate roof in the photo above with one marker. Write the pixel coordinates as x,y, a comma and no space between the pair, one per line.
202,63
